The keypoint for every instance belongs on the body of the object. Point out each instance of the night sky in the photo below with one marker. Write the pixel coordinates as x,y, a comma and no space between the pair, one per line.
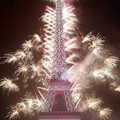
19,18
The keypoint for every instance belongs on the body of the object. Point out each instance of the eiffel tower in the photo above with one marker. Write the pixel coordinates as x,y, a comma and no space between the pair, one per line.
59,104
53,63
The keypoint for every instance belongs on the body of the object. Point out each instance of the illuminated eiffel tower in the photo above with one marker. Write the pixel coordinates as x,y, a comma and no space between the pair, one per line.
67,65
59,104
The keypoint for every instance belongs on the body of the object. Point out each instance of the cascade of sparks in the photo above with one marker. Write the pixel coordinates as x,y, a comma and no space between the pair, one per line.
92,65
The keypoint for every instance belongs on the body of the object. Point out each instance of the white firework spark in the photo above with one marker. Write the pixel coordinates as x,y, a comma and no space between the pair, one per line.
110,74
88,38
37,38
118,88
10,58
21,106
29,56
49,32
76,96
27,106
98,74
115,86
105,113
33,104
27,45
20,54
91,104
8,85
111,61
104,72
40,93
14,112
95,44
22,69
36,69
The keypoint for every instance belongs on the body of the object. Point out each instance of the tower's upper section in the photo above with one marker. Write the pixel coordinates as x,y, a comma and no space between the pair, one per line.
59,32
59,66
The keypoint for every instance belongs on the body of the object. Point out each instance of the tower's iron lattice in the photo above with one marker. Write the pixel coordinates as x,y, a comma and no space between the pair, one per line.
59,86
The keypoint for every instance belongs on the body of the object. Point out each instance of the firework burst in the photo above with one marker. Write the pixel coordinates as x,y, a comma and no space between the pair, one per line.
105,113
8,85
